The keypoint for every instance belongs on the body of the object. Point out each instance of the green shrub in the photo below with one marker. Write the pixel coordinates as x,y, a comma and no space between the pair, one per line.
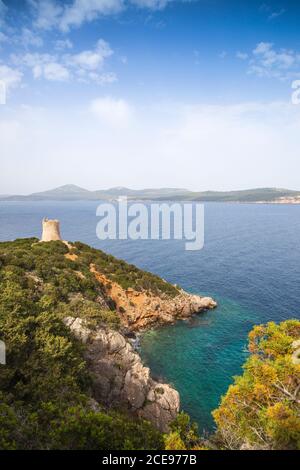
262,408
45,385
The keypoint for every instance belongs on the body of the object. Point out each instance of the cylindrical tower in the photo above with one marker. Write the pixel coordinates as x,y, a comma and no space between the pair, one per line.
51,230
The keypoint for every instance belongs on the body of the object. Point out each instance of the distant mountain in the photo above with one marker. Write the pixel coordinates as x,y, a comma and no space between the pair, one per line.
65,192
247,195
68,192
71,192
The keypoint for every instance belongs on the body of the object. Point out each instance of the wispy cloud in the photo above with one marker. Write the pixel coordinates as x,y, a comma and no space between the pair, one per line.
61,44
270,12
51,13
28,38
151,4
242,55
267,61
252,138
3,37
11,77
47,13
223,54
85,66
196,54
111,111
3,10
91,59
276,14
52,71
81,11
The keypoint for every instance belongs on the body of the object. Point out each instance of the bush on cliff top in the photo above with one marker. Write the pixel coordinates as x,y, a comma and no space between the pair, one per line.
45,385
127,275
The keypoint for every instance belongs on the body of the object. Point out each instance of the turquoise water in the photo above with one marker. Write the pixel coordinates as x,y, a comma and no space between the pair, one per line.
250,263
199,356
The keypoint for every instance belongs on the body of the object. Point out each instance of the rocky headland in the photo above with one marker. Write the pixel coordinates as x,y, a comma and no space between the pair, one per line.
105,303
119,376
143,309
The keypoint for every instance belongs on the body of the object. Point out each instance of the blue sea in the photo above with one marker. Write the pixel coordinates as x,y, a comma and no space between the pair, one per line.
250,264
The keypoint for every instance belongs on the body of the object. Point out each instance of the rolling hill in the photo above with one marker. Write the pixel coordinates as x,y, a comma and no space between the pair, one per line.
71,192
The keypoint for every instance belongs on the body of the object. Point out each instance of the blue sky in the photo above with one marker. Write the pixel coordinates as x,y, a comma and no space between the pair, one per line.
142,93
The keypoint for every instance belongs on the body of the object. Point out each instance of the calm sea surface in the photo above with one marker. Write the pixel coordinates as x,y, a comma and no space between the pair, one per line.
250,264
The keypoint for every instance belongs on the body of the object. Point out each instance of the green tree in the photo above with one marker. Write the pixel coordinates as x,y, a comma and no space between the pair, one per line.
262,408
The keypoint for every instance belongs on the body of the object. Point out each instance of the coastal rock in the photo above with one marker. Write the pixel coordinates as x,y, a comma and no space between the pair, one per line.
142,309
121,379
163,404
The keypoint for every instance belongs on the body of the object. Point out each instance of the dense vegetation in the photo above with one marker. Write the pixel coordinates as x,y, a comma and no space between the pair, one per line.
45,386
127,275
183,435
262,408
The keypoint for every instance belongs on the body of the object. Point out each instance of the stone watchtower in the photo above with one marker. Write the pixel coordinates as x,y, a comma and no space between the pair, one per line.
51,230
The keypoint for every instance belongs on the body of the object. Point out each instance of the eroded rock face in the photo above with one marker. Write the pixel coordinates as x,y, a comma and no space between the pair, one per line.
139,310
120,378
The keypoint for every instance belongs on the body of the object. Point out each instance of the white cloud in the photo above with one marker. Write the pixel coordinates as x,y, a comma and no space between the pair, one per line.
28,38
114,112
276,14
152,4
272,14
31,59
263,48
98,78
200,143
266,61
47,13
24,39
52,71
242,55
3,10
61,44
10,77
270,57
91,59
85,66
81,11
44,66
223,54
51,13
3,37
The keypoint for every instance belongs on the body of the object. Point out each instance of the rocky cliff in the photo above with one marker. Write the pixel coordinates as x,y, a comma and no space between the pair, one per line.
142,309
121,379
119,376
104,301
